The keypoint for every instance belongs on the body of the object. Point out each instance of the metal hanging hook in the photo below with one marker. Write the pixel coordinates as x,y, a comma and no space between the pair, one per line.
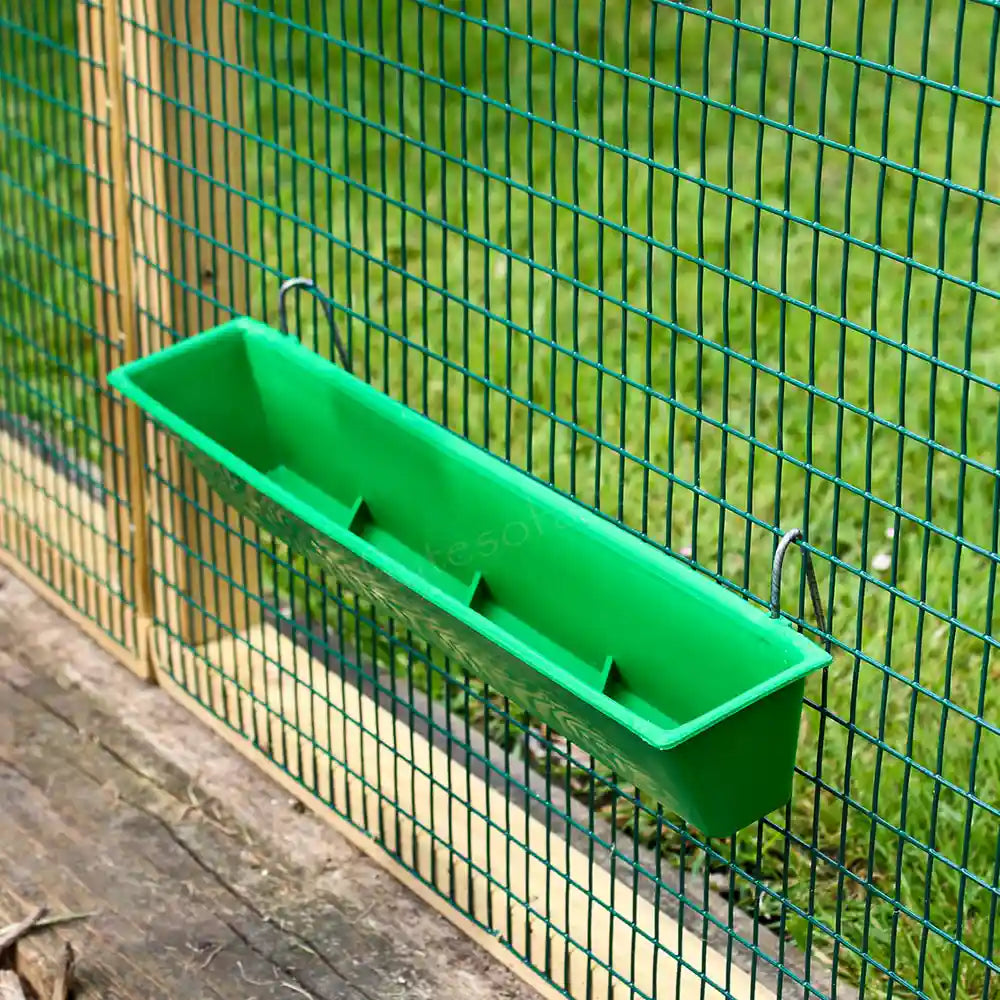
787,540
310,286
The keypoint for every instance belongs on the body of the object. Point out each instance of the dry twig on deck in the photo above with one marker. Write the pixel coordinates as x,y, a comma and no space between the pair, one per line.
12,932
10,986
64,975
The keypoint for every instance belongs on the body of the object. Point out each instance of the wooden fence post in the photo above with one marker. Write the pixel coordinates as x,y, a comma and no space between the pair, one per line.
182,108
123,465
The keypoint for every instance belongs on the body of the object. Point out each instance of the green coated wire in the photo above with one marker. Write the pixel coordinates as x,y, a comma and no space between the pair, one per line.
714,270
46,291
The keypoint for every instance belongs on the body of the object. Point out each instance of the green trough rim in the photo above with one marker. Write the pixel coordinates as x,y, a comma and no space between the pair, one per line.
811,656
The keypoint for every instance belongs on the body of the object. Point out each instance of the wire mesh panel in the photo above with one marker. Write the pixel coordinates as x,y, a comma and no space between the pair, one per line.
63,505
711,269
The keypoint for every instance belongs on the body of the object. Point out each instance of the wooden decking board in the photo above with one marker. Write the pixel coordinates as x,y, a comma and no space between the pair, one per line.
188,899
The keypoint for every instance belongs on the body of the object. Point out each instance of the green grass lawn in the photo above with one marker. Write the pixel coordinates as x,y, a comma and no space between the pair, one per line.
46,305
695,344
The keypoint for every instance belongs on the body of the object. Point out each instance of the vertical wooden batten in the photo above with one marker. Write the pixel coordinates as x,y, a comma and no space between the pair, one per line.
112,255
182,97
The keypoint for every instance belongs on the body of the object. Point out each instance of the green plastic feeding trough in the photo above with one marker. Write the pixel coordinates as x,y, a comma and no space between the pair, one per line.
678,685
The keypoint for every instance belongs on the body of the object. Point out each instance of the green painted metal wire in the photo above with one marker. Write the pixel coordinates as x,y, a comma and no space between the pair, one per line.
49,338
715,270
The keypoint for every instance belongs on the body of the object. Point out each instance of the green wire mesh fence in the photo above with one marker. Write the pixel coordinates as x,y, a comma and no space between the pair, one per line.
64,508
712,269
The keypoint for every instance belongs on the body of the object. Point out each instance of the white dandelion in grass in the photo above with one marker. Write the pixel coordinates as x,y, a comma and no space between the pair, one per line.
881,561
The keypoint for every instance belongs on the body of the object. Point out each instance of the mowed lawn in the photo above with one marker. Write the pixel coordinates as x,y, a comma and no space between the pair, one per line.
511,231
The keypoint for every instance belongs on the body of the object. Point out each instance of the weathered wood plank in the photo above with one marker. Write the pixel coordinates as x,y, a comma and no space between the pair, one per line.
190,898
